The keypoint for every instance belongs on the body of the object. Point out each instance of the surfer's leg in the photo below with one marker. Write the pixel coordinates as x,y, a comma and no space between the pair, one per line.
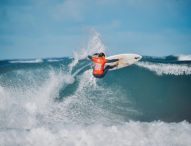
110,66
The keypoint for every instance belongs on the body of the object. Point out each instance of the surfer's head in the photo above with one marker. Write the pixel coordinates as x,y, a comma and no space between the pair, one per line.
95,55
101,54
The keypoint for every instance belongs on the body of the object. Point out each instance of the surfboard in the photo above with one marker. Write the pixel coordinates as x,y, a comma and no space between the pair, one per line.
124,60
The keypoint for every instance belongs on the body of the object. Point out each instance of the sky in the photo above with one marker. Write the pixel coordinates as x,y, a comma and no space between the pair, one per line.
56,28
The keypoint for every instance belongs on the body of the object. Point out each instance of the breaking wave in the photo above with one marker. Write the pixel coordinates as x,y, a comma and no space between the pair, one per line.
166,69
184,58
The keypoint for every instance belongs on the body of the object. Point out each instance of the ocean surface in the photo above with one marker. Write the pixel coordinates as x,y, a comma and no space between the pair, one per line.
57,102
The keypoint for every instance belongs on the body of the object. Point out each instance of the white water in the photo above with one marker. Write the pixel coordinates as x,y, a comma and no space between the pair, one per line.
128,134
27,61
167,69
95,45
54,59
184,58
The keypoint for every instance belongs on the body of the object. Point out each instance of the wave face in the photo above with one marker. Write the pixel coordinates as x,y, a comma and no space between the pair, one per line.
59,102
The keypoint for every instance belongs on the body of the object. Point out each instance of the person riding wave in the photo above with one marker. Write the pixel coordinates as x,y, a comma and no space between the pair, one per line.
100,68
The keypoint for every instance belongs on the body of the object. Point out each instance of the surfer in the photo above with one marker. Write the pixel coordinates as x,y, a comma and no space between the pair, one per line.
99,67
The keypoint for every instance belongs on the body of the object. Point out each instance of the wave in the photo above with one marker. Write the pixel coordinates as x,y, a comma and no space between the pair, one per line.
166,69
86,117
78,119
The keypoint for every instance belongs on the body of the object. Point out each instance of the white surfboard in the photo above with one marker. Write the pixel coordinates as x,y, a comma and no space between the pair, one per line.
124,60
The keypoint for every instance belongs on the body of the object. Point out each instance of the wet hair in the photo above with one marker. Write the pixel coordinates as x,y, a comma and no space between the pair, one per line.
101,54
96,54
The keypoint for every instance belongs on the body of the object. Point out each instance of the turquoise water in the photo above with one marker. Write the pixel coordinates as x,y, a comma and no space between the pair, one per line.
57,102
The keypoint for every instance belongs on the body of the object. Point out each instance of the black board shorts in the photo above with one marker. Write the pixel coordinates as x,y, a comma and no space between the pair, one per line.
98,76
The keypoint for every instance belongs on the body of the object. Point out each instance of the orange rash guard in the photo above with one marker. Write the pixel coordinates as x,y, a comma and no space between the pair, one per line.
99,65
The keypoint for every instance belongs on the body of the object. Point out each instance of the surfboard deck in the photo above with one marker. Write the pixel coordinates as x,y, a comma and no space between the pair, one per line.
124,60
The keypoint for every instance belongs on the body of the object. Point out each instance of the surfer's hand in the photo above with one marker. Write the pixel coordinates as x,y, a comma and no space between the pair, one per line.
90,57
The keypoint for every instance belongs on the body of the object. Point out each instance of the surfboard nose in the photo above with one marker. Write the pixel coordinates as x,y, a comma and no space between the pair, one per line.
138,57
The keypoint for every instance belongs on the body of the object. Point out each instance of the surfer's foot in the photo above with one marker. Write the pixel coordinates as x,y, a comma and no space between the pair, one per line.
116,64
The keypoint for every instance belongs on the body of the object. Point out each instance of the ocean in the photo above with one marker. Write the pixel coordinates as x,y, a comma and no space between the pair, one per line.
57,102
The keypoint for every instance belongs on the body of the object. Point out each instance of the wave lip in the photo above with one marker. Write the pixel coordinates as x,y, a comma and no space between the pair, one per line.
26,61
53,60
167,69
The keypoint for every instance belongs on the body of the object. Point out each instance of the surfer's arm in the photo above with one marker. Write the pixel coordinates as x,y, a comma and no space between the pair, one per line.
112,60
94,55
